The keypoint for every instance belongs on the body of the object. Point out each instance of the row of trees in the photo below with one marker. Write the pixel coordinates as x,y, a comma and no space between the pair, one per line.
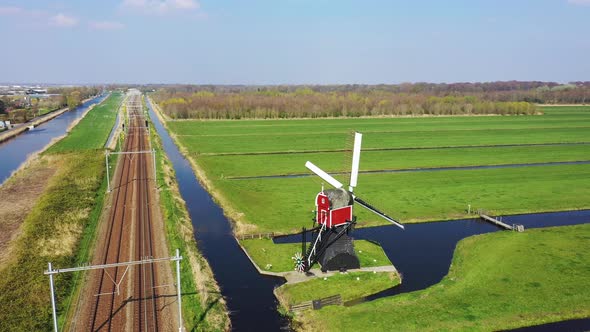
531,91
307,103
73,96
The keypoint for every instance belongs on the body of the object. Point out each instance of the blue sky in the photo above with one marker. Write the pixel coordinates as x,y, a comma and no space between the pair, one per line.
293,41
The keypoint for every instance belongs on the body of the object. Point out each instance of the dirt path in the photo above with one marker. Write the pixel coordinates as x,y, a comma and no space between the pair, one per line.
18,195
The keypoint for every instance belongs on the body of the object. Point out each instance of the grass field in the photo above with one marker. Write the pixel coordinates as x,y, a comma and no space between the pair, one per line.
497,281
93,130
410,196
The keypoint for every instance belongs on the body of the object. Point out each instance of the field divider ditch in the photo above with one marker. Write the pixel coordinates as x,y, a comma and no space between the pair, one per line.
409,170
221,154
385,131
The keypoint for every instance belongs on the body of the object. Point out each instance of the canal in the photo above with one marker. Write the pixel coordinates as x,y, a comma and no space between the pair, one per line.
249,295
15,151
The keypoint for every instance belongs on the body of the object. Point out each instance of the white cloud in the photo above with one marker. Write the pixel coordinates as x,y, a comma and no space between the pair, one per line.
185,4
62,20
106,25
10,10
579,2
160,7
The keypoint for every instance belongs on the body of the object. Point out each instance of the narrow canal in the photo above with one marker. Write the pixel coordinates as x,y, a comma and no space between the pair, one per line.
249,295
422,253
15,151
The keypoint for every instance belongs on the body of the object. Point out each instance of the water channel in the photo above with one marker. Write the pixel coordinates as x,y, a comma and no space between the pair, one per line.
249,295
15,151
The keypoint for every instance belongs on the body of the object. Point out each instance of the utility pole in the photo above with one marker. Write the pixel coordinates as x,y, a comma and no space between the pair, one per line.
178,258
106,157
53,313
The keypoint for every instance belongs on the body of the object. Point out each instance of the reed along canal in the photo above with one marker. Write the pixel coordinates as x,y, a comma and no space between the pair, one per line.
422,253
15,151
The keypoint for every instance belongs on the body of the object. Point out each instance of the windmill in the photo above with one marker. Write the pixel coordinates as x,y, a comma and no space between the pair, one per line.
331,244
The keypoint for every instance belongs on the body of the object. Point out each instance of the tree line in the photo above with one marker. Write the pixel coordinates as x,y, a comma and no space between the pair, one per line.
306,102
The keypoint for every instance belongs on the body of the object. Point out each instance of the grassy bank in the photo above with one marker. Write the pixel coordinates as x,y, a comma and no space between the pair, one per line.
203,307
277,257
497,281
51,233
350,286
60,227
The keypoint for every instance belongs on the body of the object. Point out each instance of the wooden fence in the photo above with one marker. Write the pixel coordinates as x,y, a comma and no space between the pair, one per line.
317,304
256,236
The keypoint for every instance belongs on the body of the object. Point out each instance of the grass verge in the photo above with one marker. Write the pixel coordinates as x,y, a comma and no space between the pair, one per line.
203,307
51,233
350,285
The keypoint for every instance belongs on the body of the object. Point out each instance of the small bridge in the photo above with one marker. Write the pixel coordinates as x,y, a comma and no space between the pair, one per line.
498,221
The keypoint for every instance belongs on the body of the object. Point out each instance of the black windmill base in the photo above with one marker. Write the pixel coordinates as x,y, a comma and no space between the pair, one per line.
340,255
334,251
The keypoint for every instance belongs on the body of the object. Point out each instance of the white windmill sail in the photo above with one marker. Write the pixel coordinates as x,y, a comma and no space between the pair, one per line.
325,176
356,156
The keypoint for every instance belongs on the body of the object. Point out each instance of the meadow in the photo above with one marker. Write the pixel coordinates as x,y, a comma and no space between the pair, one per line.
230,150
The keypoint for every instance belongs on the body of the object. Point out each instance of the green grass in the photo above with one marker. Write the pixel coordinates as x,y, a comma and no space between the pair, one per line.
201,312
413,196
497,281
417,196
308,140
52,233
280,164
93,130
277,257
350,286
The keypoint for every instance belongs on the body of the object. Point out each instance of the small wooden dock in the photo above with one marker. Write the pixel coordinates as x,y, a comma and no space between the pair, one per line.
514,227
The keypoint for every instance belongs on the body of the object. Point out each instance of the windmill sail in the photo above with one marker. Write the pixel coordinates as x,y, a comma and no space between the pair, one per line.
377,212
356,158
325,176
353,180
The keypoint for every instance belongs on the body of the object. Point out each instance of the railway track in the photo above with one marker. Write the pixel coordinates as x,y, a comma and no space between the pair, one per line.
125,298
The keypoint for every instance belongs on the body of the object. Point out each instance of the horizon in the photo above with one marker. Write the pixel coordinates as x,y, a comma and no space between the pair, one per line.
301,42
